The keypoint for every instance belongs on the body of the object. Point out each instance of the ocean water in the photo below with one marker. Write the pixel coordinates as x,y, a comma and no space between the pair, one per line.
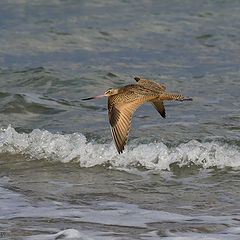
60,174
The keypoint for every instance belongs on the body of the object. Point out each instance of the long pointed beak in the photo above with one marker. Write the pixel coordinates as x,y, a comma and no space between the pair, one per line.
99,96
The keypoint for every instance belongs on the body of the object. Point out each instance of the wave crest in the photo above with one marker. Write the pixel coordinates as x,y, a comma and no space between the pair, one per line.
41,144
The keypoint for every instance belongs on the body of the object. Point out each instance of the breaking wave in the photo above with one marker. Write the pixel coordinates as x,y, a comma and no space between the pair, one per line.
42,144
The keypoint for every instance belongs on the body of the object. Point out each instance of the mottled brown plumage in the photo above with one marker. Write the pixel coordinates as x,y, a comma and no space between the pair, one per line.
123,102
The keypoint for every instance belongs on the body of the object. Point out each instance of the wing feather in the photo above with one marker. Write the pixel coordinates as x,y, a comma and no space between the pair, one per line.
158,104
150,84
120,110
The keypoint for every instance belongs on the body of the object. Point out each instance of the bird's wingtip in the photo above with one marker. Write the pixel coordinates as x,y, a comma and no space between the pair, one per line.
120,150
137,78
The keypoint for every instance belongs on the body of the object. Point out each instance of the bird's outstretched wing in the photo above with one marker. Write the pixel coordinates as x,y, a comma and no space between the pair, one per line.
150,84
158,104
120,110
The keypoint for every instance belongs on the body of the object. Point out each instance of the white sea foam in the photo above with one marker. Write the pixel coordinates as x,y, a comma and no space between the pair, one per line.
65,234
41,144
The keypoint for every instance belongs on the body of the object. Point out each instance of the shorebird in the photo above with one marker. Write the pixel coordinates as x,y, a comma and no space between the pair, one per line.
123,102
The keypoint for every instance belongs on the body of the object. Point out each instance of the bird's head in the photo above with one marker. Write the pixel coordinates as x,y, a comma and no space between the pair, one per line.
111,91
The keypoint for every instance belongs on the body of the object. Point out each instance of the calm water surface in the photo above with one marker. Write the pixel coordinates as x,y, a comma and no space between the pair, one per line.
60,174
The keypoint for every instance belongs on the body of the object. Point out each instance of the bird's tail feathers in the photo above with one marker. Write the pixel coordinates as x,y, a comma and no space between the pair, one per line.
176,97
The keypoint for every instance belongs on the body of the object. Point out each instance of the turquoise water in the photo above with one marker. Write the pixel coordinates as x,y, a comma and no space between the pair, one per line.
60,174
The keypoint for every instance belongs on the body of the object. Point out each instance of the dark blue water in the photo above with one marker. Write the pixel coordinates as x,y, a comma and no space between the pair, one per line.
60,174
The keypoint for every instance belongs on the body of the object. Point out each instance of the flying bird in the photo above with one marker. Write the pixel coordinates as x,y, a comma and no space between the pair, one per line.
123,102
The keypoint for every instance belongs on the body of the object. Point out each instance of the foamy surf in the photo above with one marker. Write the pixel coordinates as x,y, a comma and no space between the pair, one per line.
65,234
42,144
